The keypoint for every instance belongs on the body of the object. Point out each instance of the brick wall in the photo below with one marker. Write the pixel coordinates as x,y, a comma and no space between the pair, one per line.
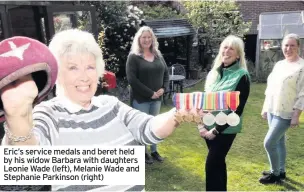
252,9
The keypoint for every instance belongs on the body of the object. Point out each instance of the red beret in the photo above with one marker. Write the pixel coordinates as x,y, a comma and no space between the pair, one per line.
20,56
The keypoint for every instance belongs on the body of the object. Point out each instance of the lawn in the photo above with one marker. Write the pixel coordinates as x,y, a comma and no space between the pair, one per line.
185,153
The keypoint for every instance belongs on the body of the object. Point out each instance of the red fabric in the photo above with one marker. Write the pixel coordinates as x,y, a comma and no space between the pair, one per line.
36,52
18,55
110,78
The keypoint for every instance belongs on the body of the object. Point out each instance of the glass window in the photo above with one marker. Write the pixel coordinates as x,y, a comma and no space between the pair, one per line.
72,19
291,18
277,25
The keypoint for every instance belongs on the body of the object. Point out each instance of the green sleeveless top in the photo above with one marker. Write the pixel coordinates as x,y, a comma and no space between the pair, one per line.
229,81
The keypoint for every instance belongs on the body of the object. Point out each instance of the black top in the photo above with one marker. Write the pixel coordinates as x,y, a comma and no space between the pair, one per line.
146,77
244,88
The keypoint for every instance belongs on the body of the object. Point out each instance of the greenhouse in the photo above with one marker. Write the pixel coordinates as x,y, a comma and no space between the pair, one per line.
273,26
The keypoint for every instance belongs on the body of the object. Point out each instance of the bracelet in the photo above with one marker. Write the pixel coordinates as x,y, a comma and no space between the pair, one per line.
14,138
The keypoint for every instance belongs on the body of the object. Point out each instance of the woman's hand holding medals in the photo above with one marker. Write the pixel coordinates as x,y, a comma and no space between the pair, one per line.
188,108
195,116
192,115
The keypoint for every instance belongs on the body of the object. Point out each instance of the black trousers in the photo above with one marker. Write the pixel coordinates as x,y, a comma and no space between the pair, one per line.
216,172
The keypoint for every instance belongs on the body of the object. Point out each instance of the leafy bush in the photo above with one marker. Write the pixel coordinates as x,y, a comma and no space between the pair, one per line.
159,12
117,23
217,18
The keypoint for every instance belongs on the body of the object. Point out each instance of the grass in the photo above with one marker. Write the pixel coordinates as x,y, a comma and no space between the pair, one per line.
185,153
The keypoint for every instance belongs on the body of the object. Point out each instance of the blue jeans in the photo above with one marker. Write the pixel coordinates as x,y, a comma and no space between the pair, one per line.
274,143
151,108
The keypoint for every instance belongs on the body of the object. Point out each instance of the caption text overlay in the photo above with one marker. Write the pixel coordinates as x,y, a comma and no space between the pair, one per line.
72,165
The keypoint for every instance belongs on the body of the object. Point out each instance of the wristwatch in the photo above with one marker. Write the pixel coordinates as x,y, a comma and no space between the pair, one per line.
215,132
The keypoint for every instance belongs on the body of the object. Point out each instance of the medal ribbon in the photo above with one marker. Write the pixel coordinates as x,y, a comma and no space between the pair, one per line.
221,100
207,101
234,100
228,98
210,101
225,104
194,100
191,100
199,100
176,100
204,103
187,101
182,101
202,100
217,101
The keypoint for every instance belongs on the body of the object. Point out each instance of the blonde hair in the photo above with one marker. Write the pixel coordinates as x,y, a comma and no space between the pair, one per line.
235,42
75,41
136,47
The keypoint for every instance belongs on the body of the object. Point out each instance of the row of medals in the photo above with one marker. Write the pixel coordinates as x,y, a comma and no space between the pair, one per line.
220,119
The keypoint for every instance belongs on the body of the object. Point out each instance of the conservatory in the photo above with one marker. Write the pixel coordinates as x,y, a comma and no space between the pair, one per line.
273,26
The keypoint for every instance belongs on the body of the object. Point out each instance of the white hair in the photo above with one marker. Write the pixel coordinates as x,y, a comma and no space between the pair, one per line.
75,41
235,42
292,36
136,47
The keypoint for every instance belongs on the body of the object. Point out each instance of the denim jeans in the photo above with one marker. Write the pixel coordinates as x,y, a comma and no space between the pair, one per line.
274,143
151,108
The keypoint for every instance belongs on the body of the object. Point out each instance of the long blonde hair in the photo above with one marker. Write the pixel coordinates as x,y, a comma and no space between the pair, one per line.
235,42
136,47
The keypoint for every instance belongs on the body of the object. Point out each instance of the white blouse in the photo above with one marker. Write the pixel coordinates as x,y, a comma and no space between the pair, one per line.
285,89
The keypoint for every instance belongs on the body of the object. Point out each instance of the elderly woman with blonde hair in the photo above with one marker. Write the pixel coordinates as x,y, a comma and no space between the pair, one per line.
229,73
284,102
148,77
75,116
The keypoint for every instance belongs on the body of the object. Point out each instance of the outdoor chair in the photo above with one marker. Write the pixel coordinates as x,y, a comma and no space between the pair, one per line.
177,75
